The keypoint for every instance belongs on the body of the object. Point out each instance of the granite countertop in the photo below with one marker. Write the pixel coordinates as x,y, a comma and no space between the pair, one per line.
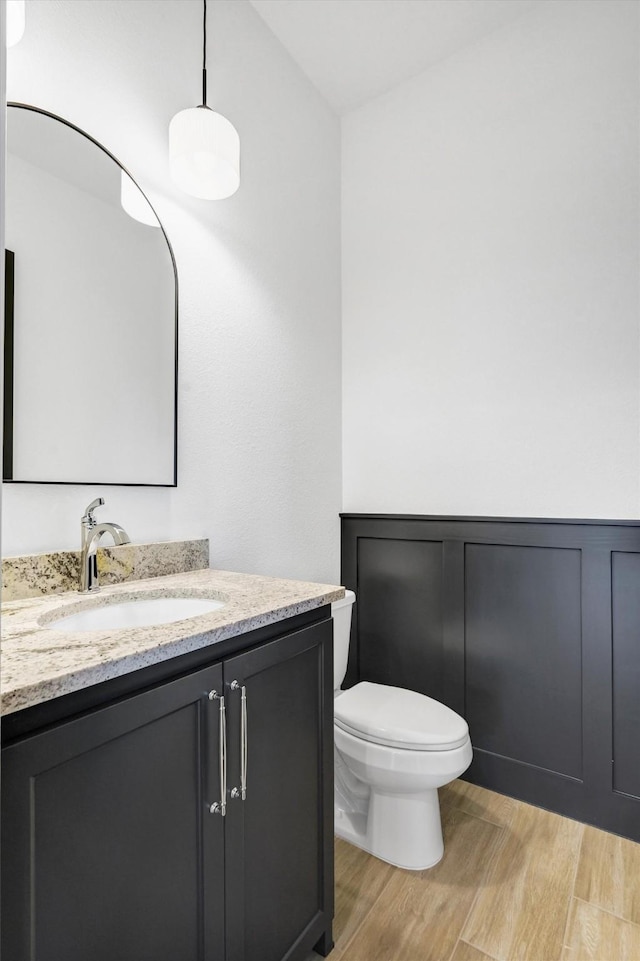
39,663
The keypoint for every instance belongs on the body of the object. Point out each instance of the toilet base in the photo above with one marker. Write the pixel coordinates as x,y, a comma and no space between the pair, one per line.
402,830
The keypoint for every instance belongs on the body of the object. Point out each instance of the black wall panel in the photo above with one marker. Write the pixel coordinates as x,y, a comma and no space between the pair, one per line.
523,690
530,629
626,672
400,613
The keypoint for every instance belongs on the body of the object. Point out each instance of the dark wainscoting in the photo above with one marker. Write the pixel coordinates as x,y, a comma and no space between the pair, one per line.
528,628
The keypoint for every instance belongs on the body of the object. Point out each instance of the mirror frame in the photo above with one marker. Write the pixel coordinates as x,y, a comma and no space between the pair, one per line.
7,439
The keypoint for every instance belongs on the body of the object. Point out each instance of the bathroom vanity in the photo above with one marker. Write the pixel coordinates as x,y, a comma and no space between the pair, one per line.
168,790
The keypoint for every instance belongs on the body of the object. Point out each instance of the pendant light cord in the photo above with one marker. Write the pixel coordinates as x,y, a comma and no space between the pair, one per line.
204,54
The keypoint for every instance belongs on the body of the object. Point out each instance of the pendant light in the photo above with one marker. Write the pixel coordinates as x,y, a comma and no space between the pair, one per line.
16,16
135,203
204,147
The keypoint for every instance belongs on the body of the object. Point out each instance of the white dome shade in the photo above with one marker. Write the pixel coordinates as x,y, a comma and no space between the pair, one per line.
135,203
15,21
204,153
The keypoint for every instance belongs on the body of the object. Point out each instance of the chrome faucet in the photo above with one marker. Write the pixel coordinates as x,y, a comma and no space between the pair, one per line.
91,534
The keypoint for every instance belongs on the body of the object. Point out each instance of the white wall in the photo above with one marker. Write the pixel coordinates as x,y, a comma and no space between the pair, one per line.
490,277
259,418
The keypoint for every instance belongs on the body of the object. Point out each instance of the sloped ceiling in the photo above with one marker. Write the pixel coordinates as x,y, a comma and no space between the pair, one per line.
354,50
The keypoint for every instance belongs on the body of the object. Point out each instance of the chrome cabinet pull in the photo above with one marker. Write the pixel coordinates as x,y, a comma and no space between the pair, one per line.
243,744
221,808
235,686
223,758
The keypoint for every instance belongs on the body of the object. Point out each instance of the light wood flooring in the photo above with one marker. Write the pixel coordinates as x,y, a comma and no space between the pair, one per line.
516,884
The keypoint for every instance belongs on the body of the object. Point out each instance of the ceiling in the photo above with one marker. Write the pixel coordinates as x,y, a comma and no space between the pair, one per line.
353,50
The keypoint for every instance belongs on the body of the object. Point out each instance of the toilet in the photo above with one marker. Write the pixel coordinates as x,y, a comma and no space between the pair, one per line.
393,749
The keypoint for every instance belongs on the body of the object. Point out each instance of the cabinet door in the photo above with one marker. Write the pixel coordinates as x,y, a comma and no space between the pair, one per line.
104,823
280,838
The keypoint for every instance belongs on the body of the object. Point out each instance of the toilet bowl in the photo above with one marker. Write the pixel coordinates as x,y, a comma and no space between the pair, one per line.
393,749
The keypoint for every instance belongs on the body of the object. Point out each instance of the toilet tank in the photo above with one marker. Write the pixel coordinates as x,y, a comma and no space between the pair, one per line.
341,613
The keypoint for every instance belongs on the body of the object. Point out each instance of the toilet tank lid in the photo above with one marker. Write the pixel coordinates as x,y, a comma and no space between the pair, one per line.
399,718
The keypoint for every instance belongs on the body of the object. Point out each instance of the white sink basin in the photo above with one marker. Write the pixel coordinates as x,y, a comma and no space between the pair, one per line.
142,612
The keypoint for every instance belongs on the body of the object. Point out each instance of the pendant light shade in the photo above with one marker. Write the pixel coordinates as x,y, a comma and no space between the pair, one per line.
135,203
204,153
16,17
204,147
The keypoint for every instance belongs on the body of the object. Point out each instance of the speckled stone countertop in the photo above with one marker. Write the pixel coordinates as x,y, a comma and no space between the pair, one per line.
39,663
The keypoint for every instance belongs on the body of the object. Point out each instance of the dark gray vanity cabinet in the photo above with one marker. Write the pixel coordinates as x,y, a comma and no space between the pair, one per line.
279,839
110,849
107,847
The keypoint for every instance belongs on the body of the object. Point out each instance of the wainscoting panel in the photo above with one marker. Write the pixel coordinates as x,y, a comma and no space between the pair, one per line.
401,592
530,629
626,673
523,671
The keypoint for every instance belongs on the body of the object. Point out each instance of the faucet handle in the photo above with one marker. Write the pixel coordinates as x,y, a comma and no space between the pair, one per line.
88,517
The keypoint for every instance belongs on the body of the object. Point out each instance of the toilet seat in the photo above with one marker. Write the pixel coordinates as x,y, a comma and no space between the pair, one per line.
398,718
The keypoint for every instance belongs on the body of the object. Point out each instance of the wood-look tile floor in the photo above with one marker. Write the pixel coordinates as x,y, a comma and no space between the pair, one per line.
516,884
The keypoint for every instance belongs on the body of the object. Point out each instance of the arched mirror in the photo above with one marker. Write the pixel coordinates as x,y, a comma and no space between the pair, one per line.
90,315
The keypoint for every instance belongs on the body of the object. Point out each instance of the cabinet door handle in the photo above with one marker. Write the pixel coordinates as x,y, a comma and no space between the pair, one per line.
223,758
243,744
242,793
221,808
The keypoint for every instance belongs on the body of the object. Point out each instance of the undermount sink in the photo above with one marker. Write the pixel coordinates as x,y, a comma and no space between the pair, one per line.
141,612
